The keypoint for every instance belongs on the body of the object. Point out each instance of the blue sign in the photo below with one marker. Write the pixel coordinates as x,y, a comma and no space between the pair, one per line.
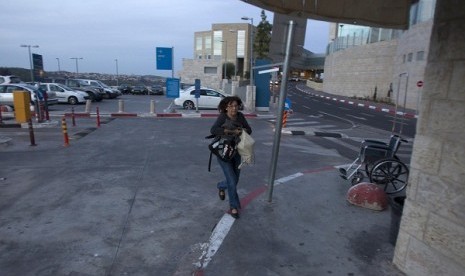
164,58
197,88
287,104
172,88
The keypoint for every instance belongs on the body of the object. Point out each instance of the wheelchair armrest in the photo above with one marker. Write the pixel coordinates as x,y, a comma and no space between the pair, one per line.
373,141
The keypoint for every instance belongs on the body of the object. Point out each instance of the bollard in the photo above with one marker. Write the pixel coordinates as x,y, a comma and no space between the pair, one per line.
65,131
285,118
31,133
98,117
88,103
152,106
120,106
73,119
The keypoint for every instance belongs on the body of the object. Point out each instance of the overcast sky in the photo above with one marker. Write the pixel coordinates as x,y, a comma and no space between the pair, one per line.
101,31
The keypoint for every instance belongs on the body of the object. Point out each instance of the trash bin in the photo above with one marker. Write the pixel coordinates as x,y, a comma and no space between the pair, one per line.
397,205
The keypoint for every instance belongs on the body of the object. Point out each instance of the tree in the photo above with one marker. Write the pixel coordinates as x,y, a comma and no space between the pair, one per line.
262,37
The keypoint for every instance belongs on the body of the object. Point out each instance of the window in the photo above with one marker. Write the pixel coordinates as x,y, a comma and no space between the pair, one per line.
210,70
218,45
420,55
208,42
409,57
240,43
403,58
198,43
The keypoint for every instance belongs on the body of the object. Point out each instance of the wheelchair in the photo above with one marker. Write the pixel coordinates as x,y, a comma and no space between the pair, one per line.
377,161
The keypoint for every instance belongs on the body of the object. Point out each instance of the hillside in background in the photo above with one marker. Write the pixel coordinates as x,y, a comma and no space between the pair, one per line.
109,79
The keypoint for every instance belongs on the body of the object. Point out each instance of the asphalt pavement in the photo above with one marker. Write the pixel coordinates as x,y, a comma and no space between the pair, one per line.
133,197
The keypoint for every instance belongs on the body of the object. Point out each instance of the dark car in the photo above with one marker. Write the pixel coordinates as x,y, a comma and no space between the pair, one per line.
125,88
156,90
139,90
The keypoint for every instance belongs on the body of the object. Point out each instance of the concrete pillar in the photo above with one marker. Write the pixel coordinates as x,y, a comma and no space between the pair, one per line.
250,98
431,239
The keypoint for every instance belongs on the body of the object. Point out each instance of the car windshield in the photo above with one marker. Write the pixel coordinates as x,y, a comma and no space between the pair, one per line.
64,87
103,85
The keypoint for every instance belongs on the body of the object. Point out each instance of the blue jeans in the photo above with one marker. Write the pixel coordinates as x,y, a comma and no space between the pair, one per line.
231,173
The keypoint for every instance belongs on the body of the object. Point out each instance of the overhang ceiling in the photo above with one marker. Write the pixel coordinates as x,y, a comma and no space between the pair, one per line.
392,14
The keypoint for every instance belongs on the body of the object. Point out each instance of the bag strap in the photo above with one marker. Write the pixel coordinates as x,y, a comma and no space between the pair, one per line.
210,161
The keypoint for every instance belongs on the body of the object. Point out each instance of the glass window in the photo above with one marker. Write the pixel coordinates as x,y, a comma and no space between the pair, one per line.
198,43
208,42
240,43
409,57
210,70
420,55
218,45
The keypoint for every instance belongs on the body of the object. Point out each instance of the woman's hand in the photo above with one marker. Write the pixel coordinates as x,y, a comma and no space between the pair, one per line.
236,131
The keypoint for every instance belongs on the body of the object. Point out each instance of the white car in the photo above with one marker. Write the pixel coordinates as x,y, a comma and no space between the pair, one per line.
9,79
209,98
64,93
6,93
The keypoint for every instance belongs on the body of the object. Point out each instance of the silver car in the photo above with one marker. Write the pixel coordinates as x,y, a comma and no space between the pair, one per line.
6,93
64,93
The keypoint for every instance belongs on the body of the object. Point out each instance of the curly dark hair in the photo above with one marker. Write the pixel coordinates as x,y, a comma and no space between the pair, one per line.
228,100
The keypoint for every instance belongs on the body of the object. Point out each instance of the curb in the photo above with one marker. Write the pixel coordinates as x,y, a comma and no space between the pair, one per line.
359,104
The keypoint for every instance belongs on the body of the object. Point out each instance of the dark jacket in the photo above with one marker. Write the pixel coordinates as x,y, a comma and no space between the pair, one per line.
223,122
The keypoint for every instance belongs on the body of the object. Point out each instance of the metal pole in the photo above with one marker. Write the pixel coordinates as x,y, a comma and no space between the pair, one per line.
77,67
30,58
59,69
116,60
251,52
172,62
279,121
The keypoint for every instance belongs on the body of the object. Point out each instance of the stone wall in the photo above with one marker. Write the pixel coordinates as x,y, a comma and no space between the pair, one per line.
412,42
195,69
355,72
431,239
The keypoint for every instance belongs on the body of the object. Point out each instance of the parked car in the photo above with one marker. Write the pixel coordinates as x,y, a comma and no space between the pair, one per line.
6,93
125,88
109,93
139,90
156,90
64,93
95,94
209,98
9,79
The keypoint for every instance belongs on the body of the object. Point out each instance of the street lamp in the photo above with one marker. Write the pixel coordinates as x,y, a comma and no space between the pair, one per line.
235,53
59,69
251,47
77,67
30,58
225,43
116,60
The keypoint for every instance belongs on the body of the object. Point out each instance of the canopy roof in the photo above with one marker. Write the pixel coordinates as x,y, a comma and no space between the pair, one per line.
392,14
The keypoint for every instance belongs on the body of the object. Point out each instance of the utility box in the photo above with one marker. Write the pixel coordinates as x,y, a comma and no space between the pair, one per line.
22,105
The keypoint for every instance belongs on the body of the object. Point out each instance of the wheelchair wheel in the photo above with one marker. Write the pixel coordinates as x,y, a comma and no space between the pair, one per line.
390,173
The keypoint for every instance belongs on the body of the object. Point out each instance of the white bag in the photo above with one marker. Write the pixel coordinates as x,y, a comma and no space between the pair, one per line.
245,149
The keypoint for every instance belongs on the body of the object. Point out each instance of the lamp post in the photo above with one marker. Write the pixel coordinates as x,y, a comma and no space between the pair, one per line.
116,61
225,43
251,47
59,69
30,58
235,54
77,67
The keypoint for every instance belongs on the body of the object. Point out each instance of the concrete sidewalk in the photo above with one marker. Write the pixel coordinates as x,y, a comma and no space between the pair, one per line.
133,197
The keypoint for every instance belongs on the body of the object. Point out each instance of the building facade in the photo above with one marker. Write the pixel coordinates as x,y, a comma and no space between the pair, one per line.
223,51
388,63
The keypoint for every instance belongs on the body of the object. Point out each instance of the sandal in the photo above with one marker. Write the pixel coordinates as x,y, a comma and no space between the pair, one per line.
221,194
234,213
